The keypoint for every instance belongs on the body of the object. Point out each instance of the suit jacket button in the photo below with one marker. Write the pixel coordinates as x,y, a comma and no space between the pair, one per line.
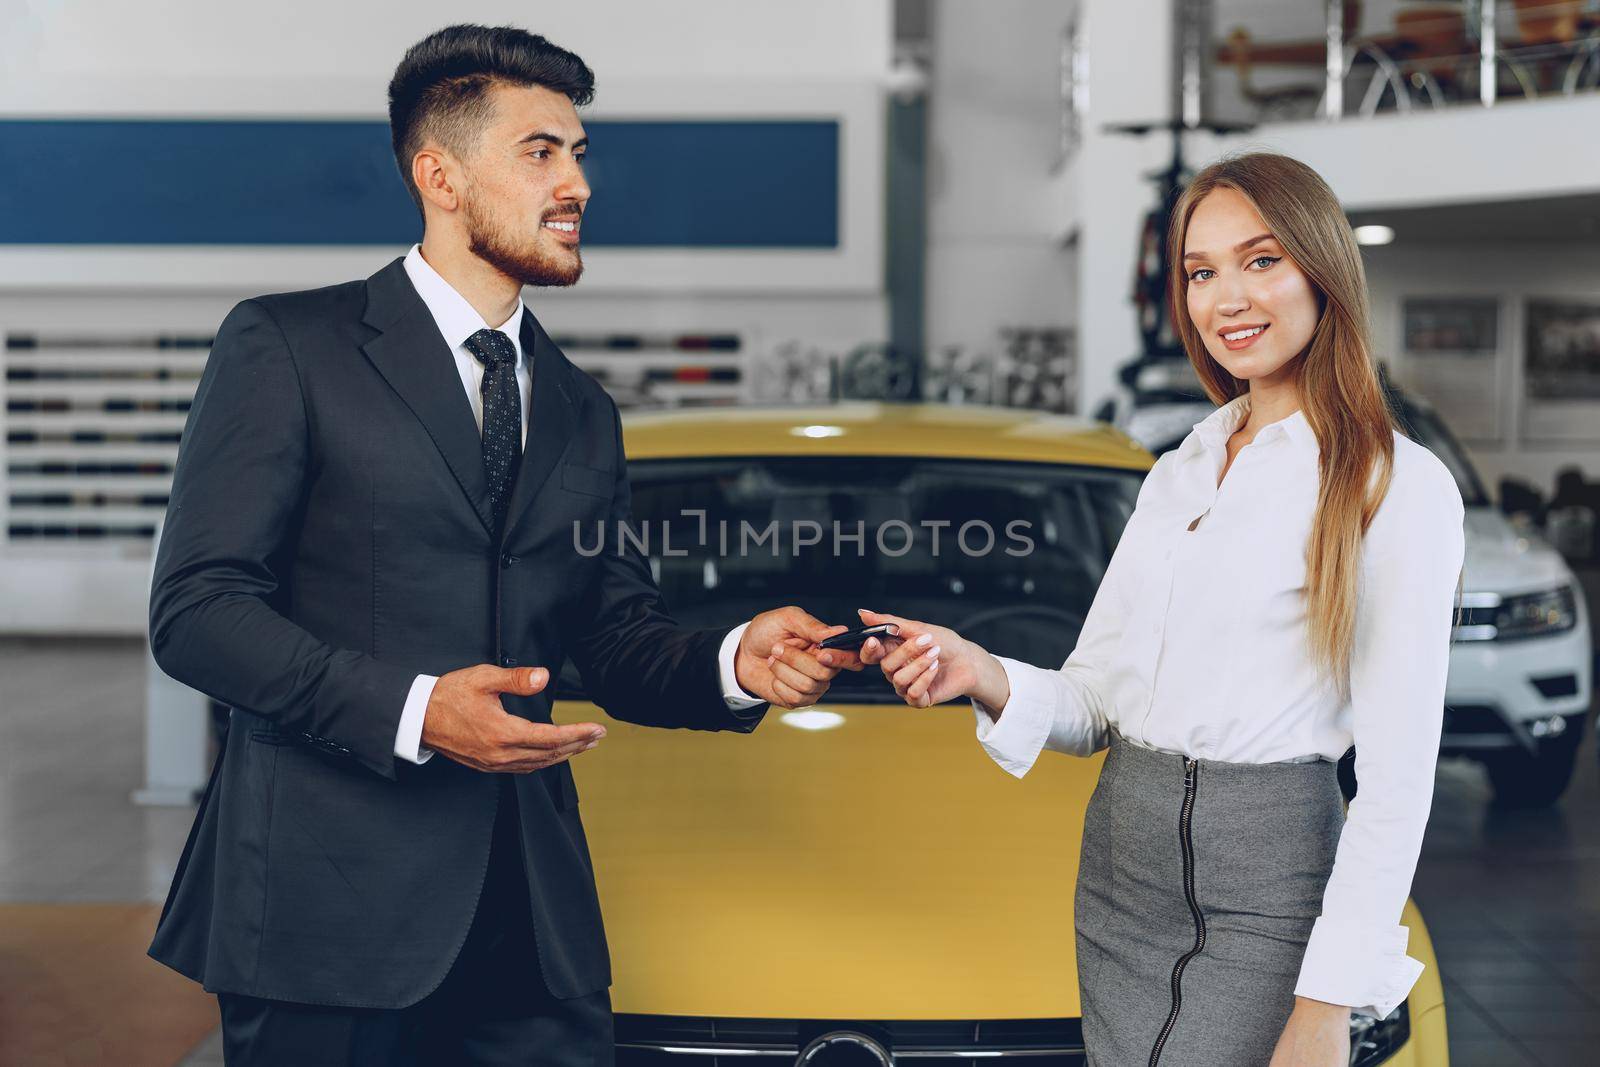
508,661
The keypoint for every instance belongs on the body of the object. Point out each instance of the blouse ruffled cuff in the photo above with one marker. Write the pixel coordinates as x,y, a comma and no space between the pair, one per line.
1015,741
1359,965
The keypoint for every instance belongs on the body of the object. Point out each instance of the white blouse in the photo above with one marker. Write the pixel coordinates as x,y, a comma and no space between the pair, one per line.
1196,645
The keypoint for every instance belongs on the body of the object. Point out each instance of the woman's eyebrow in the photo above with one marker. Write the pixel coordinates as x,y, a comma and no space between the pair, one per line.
1240,247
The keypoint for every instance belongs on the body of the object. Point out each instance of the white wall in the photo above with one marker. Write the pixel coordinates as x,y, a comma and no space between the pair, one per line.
1100,197
306,59
1510,273
991,143
1013,238
1461,154
313,56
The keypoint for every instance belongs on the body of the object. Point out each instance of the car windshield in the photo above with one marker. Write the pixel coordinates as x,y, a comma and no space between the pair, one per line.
1007,554
1429,431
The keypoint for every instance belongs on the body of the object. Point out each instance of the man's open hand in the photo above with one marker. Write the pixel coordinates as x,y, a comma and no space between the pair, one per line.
466,722
778,659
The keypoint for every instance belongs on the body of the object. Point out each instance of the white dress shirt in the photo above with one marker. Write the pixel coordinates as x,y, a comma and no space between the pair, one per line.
458,320
1196,645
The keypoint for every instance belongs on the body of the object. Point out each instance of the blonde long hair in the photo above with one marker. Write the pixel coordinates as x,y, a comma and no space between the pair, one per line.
1339,390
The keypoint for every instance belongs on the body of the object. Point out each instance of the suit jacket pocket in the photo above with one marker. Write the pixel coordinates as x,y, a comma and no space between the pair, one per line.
587,480
272,737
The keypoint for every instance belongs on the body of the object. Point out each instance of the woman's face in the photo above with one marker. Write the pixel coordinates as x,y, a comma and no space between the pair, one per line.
1251,304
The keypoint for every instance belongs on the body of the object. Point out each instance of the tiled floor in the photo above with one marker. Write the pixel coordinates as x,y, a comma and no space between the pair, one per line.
76,989
1513,902
1512,899
71,752
206,1054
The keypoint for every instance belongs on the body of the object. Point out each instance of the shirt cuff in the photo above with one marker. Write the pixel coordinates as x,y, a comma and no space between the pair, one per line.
1359,965
408,739
732,694
1015,741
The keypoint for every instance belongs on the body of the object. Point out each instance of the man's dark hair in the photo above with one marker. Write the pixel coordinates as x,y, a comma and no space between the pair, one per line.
440,90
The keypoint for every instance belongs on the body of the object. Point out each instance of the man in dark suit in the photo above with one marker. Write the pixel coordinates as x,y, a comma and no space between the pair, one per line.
369,555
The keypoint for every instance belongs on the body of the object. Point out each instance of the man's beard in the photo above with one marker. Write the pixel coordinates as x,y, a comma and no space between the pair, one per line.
525,263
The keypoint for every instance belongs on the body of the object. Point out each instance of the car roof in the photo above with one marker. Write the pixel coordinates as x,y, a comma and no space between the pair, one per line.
879,429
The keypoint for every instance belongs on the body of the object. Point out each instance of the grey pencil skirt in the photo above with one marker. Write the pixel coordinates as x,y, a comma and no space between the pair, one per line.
1197,891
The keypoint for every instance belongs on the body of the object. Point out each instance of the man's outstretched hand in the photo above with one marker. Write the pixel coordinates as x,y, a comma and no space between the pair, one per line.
466,722
779,661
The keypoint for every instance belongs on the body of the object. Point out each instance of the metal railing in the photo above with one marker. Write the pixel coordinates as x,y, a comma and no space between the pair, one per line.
1477,52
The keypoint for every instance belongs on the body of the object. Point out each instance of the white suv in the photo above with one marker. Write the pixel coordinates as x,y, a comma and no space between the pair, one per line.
1521,665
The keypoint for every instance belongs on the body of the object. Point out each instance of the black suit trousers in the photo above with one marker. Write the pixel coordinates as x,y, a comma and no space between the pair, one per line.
492,1009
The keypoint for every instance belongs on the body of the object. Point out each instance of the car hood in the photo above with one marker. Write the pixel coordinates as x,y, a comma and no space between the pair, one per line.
1503,559
883,868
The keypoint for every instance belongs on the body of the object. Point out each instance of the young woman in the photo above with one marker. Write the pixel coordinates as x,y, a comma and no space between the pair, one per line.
1283,589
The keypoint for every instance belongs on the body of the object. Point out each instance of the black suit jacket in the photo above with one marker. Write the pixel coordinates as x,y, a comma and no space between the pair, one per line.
329,537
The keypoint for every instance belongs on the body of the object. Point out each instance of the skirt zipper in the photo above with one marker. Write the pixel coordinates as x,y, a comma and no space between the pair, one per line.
1191,776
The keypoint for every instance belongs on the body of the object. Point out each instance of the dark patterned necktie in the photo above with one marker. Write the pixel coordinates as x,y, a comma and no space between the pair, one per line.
502,415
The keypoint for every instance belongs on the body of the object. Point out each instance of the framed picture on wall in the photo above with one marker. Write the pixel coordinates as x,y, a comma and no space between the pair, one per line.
1451,358
1561,372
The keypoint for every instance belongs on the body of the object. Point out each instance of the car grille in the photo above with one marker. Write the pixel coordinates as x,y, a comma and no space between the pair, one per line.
1473,719
679,1041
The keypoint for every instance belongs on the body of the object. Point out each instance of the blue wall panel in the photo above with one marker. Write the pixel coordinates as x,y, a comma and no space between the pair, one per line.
732,184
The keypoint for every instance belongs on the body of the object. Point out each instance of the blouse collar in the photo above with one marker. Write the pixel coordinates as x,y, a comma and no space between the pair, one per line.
1215,429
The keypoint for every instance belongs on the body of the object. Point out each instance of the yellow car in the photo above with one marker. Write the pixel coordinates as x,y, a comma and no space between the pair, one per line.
857,883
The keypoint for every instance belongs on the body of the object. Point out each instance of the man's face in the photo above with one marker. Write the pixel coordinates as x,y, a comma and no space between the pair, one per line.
525,194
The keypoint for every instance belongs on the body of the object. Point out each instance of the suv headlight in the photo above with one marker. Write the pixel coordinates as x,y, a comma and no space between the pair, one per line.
1489,617
1373,1041
1536,614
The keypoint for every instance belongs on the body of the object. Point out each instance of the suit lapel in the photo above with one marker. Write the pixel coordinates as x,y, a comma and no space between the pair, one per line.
413,356
550,422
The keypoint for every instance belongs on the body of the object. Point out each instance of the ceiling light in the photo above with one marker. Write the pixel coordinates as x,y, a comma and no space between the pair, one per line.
1374,235
818,431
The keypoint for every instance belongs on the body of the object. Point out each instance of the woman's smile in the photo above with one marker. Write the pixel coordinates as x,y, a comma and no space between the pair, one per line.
1237,338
